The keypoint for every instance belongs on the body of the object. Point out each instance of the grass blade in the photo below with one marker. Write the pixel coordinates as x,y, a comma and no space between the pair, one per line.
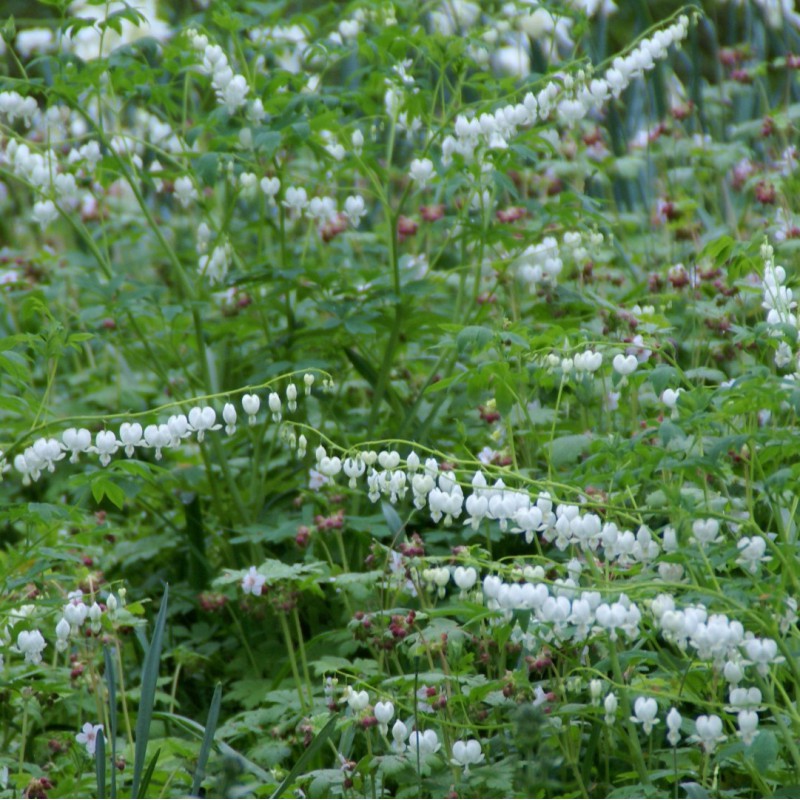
148,773
112,717
314,748
100,763
148,695
194,728
208,740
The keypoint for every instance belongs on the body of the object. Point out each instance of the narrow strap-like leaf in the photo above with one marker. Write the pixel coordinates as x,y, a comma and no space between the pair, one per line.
100,763
112,716
148,696
148,773
208,740
312,750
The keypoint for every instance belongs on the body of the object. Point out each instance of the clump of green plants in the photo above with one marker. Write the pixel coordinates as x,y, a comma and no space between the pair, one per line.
399,400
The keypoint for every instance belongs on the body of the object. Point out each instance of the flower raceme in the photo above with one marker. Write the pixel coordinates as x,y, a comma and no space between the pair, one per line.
43,454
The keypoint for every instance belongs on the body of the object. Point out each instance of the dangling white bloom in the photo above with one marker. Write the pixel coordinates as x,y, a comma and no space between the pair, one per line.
354,468
295,199
357,701
466,754
95,615
185,192
421,171
105,445
399,735
31,644
77,440
270,187
202,420
274,401
706,532
130,434
709,732
465,578
384,712
674,721
752,553
158,437
44,212
229,418
625,365
355,209
357,140
748,724
63,630
610,704
251,403
427,743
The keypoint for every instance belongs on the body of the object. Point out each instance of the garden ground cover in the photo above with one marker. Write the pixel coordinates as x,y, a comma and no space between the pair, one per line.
399,399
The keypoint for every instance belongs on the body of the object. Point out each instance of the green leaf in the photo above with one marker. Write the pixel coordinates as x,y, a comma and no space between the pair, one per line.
100,763
267,142
148,694
112,715
392,518
662,377
148,774
195,729
764,751
787,792
320,740
472,338
504,397
207,167
102,487
567,449
208,740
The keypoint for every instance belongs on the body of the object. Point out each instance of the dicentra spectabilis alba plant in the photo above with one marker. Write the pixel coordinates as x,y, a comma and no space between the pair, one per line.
551,487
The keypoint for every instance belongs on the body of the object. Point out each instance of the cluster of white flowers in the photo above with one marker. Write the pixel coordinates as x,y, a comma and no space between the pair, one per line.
287,44
43,454
61,175
14,106
465,754
539,264
581,364
571,98
31,644
231,88
321,210
779,14
715,638
74,615
780,305
560,612
214,265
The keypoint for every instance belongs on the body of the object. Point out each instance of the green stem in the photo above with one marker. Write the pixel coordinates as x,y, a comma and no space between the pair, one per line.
633,735
287,636
302,648
23,738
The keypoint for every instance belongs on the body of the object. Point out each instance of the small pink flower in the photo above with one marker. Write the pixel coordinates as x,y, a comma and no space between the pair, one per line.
88,736
253,582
